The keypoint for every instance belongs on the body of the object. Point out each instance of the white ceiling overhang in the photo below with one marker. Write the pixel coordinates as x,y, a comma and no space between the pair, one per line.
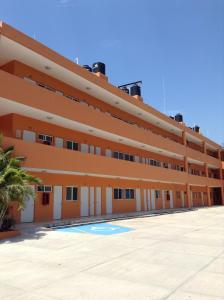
9,106
10,50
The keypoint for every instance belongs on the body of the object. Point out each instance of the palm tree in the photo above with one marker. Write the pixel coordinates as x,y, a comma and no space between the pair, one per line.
14,181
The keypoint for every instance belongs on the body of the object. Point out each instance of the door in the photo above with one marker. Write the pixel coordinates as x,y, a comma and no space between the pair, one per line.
182,199
108,153
98,150
91,201
145,200
136,158
98,201
84,148
57,202
153,199
91,149
171,199
109,200
163,199
27,214
202,199
29,136
149,199
138,199
84,207
58,142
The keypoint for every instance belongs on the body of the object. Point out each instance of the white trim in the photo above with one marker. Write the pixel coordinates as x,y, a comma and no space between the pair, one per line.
51,171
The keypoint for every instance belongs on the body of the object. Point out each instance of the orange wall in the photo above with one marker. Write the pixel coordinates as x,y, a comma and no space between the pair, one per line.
22,71
25,123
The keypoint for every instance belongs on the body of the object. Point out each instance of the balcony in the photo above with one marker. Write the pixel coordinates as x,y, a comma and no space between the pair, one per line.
44,158
43,100
197,155
51,102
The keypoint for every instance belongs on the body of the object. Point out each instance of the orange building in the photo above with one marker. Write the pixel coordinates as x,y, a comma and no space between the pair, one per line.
98,149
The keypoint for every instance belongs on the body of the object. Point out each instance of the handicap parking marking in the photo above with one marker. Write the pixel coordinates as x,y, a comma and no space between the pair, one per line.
98,228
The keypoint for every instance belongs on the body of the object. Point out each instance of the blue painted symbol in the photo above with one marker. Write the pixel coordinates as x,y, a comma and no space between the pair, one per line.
100,229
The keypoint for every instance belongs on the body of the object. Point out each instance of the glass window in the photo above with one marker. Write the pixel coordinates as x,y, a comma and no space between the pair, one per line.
116,154
117,193
72,145
71,193
157,194
75,193
121,156
127,157
68,193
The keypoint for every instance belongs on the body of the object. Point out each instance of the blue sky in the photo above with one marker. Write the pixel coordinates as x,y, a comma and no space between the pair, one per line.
176,42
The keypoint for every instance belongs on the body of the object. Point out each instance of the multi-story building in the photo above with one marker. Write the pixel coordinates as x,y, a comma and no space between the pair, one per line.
97,148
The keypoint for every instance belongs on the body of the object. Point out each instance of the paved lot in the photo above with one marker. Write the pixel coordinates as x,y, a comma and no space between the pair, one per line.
175,257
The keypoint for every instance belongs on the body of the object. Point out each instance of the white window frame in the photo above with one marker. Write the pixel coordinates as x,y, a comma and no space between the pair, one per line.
44,188
72,187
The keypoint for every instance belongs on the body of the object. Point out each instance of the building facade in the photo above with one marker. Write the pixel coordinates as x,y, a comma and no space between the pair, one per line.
97,149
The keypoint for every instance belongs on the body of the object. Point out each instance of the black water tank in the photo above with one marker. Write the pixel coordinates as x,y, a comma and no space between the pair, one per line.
125,89
87,67
99,67
135,90
179,118
196,128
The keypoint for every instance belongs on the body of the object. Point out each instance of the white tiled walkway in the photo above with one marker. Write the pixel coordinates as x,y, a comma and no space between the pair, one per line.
176,256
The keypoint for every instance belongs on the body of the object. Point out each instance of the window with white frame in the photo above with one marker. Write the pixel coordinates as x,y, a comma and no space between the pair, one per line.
71,193
72,145
157,194
44,188
124,193
45,138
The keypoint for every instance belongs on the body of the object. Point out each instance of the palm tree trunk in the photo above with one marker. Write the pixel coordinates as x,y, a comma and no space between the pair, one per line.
2,213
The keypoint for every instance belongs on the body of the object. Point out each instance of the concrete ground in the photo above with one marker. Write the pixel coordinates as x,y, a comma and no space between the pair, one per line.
177,257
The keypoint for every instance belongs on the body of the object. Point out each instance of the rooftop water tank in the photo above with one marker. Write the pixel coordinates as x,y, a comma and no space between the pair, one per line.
135,90
196,128
178,118
99,67
87,67
125,89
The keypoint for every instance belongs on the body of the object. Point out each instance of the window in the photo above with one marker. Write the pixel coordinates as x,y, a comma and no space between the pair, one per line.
165,165
167,195
121,155
72,145
46,139
128,157
71,193
117,193
124,193
116,155
44,188
157,194
129,194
